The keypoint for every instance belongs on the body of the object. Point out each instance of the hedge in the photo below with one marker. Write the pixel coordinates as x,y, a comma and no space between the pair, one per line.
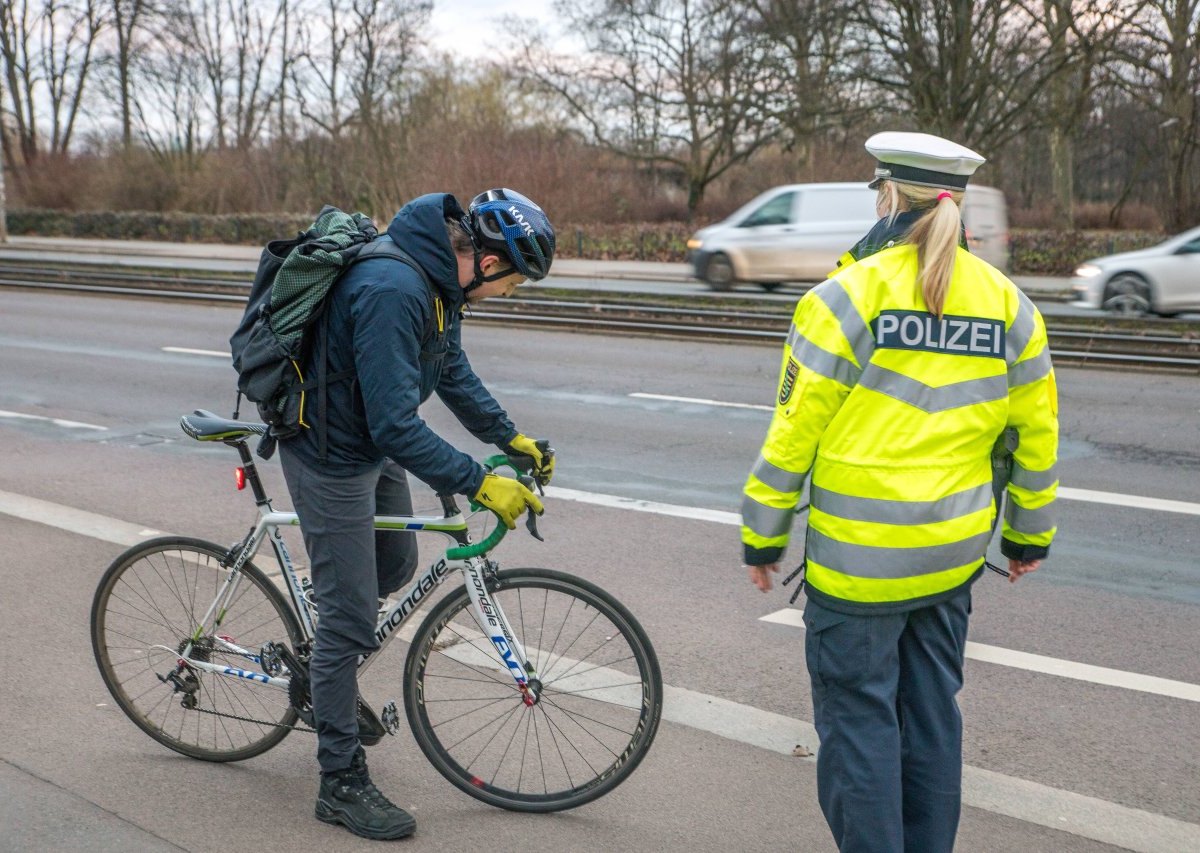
1034,252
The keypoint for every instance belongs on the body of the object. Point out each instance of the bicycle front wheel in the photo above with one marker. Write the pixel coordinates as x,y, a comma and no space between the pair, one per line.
596,715
148,609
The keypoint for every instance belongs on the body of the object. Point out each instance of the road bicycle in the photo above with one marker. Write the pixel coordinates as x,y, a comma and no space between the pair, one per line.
528,689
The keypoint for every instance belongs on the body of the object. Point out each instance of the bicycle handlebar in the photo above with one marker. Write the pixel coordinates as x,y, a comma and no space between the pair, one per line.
479,549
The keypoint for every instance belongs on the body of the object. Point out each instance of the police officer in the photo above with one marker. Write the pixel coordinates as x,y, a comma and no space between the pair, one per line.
900,374
379,317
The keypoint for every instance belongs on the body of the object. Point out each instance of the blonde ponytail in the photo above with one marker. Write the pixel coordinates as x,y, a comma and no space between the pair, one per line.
936,236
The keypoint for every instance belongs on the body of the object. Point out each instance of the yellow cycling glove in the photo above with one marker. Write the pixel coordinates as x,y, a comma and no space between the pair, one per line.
539,451
507,498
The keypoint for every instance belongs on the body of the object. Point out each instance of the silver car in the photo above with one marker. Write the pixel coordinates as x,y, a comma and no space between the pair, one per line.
1164,279
797,232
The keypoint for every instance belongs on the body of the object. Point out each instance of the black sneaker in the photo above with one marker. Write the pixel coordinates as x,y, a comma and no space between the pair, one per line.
350,798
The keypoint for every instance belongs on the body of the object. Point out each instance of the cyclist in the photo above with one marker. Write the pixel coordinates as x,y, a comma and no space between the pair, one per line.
899,376
380,315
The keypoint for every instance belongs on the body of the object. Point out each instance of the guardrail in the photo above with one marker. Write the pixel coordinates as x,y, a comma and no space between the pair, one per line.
1145,343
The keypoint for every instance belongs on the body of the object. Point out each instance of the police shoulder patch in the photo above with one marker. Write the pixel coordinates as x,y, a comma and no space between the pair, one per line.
789,380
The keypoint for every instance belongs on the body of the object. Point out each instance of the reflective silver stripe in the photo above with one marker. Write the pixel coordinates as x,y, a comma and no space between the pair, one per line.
1030,370
1018,334
867,561
930,399
902,512
822,362
1040,520
1034,481
777,478
857,333
766,521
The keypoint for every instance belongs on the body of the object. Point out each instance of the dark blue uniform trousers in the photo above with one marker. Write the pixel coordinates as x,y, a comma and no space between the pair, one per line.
352,565
889,769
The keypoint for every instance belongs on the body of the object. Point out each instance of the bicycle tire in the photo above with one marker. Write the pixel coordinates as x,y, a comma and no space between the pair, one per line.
153,595
616,689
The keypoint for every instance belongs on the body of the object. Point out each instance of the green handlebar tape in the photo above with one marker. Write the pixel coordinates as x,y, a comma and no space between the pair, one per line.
465,552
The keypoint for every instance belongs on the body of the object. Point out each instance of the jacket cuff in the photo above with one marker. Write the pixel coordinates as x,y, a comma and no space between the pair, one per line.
475,482
1022,552
760,556
508,437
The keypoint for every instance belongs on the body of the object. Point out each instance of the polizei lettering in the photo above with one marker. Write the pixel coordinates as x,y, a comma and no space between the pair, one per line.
520,217
920,330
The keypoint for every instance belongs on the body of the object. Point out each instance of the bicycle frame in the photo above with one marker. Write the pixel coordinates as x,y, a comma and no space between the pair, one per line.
469,560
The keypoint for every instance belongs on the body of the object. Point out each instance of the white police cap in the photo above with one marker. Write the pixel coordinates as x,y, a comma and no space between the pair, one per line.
922,159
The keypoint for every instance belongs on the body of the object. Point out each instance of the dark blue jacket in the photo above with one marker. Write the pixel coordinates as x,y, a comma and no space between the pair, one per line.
378,313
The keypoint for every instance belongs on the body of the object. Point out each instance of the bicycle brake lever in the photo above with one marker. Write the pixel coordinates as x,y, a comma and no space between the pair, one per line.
531,526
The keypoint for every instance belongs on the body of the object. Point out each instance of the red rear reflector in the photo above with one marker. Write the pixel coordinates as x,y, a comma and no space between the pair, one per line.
239,475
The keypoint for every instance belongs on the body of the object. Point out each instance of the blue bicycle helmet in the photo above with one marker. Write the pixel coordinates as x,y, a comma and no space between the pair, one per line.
503,220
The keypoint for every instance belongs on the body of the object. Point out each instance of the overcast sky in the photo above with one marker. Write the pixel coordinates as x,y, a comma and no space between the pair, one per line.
462,27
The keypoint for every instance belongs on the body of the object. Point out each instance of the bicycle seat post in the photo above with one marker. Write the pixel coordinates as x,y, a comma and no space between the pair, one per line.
251,472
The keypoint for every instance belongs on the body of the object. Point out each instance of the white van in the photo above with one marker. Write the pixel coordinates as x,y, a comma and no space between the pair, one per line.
797,232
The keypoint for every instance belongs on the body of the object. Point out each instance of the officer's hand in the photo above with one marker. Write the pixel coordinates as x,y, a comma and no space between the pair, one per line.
760,576
539,452
1016,568
507,498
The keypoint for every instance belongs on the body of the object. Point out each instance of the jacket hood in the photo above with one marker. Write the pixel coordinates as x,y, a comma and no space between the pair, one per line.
420,229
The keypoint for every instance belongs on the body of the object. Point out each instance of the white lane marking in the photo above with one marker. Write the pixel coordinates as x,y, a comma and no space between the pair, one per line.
616,502
74,520
1048,665
1032,802
701,401
1088,817
56,421
1137,501
1087,495
188,351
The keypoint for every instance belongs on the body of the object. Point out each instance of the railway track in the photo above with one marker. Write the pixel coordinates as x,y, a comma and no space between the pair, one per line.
1146,344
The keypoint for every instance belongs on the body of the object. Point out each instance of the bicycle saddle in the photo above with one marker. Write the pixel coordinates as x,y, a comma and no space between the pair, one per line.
205,426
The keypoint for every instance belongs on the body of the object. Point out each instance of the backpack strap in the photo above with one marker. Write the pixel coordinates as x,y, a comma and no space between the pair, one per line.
385,247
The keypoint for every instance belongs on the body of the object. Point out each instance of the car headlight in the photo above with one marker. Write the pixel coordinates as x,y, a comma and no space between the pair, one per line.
695,243
1087,270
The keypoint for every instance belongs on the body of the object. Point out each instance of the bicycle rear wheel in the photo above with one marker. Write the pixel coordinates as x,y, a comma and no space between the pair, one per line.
600,703
148,607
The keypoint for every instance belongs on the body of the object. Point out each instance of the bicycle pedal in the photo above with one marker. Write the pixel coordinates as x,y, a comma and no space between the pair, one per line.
370,729
391,718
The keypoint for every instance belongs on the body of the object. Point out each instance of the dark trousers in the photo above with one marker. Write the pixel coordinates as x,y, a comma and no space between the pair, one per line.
352,566
889,769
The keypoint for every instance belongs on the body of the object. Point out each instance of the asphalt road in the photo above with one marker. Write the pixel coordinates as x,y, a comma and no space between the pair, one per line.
89,406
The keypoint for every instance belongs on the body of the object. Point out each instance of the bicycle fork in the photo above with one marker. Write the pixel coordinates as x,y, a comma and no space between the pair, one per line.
491,618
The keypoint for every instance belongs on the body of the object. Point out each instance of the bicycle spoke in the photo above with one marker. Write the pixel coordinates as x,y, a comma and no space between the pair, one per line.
569,745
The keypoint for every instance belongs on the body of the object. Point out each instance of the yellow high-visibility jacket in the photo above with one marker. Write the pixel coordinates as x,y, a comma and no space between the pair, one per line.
893,414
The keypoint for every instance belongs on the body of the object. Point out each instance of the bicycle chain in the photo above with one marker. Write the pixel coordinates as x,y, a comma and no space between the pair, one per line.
256,722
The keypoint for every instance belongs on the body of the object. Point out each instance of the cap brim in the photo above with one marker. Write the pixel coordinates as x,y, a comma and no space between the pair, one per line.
874,185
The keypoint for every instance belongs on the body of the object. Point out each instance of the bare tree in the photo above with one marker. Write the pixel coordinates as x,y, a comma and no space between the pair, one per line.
129,18
817,62
353,62
18,51
971,70
233,40
1162,70
1080,39
680,84
69,31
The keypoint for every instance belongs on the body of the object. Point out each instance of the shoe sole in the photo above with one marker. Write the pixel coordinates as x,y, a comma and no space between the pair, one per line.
329,814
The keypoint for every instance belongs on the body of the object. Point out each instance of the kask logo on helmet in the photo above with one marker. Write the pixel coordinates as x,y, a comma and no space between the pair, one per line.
520,217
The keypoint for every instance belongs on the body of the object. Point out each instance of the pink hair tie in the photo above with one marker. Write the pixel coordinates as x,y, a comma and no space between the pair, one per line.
944,195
